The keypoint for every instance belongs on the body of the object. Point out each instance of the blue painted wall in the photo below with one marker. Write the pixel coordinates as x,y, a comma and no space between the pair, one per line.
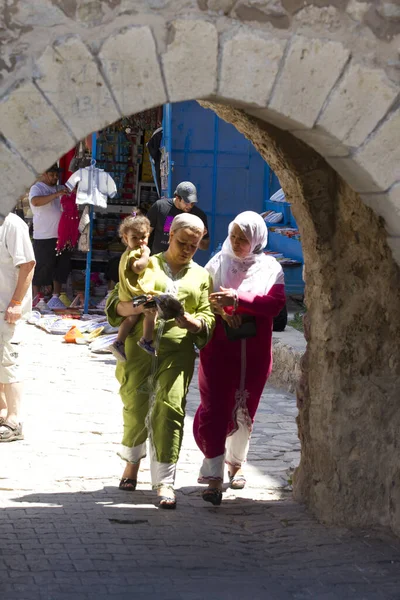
229,173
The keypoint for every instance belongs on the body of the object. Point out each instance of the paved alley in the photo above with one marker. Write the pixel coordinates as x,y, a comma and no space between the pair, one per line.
67,532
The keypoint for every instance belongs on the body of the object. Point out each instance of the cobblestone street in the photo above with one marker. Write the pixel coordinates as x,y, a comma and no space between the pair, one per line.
67,532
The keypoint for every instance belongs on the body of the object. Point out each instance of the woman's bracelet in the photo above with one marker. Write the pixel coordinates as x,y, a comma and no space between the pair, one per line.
17,302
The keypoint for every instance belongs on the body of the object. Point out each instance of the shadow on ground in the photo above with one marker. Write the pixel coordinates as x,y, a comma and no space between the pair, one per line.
112,544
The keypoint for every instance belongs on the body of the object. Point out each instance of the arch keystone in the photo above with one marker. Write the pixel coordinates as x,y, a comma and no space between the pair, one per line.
130,63
32,126
187,76
72,82
249,67
311,69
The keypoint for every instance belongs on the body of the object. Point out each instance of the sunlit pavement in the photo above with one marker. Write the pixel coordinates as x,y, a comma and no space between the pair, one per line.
67,532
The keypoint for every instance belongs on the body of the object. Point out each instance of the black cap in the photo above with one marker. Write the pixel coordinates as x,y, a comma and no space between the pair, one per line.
54,169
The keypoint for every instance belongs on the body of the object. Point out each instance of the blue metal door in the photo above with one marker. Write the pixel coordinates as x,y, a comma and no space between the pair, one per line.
229,173
166,159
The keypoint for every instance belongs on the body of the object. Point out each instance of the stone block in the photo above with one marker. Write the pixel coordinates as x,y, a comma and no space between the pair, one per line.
16,178
130,63
37,14
380,156
188,77
33,127
386,206
357,177
273,117
324,144
311,69
249,66
357,104
71,80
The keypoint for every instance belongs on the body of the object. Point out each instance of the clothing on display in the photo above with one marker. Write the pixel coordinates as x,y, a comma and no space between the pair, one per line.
84,230
154,148
68,232
94,186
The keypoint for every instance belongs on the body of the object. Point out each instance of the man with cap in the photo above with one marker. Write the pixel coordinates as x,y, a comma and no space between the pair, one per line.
44,200
162,213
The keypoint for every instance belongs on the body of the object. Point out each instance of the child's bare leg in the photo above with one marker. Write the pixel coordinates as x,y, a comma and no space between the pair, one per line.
149,322
146,341
125,328
118,347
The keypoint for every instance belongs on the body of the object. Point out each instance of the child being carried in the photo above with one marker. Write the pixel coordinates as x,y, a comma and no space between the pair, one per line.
134,231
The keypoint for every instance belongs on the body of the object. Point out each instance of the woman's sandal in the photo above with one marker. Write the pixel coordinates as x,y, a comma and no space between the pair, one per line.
213,495
237,482
167,502
128,485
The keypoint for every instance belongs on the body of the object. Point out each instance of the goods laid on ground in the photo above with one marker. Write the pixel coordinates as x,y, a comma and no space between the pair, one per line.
92,330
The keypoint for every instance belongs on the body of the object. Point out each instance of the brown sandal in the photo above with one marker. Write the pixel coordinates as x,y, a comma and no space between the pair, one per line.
128,485
213,495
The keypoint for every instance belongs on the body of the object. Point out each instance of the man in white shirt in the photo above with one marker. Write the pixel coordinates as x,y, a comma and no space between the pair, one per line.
44,200
17,264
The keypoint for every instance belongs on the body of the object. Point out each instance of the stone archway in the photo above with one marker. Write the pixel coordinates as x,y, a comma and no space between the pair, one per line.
321,106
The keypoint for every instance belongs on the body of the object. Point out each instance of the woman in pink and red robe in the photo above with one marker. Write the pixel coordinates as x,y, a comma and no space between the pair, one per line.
248,293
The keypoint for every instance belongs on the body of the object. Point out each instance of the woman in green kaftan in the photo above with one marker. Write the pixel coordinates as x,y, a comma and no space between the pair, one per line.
153,389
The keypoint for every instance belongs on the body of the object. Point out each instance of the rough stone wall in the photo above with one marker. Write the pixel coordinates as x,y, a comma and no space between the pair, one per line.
348,398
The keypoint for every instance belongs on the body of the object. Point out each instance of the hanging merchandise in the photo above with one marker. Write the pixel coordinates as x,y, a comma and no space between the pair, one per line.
68,231
154,148
95,185
82,157
84,230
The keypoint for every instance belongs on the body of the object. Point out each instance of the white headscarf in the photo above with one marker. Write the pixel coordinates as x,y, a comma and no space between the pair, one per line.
256,272
187,220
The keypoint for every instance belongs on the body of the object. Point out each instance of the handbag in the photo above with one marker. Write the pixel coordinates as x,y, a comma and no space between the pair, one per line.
247,329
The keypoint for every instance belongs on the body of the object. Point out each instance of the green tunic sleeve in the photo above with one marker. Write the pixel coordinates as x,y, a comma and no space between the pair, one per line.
111,308
205,314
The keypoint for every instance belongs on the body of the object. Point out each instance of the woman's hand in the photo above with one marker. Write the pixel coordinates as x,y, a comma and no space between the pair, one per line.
233,321
187,321
225,297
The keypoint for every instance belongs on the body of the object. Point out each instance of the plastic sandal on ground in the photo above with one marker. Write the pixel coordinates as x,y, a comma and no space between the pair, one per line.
10,433
237,482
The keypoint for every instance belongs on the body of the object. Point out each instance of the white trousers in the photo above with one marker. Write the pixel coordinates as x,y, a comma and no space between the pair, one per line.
236,449
162,474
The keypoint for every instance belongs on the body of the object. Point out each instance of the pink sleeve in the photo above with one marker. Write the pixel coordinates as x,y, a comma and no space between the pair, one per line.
268,305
